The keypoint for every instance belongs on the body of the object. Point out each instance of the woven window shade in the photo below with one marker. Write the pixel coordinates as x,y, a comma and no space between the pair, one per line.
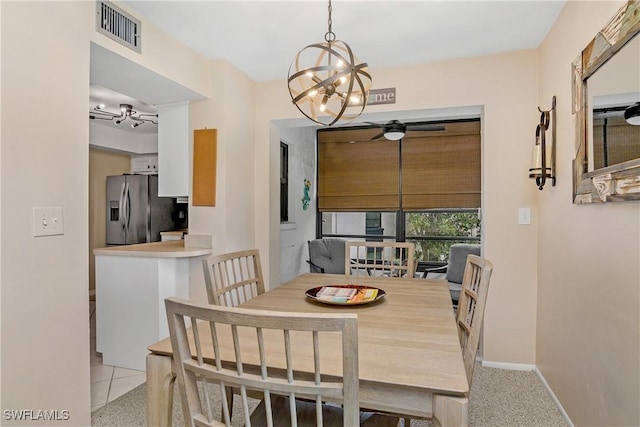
442,169
360,176
623,142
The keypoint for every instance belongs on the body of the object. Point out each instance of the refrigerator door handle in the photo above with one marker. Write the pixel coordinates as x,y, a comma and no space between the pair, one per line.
127,209
121,209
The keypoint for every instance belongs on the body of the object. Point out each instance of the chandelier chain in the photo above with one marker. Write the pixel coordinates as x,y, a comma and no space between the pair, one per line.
330,36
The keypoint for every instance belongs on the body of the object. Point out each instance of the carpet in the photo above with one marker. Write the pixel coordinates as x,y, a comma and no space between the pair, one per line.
499,398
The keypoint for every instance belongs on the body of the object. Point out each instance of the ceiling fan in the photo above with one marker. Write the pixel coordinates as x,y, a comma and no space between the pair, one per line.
395,129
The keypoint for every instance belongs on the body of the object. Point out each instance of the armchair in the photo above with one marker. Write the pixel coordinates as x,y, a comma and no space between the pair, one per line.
454,270
326,256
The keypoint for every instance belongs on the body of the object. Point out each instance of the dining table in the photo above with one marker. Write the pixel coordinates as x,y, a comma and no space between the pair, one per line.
410,360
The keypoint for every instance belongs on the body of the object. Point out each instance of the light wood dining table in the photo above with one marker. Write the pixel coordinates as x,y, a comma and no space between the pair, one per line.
410,362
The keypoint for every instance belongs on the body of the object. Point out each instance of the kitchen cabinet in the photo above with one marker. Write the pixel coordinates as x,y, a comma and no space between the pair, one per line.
144,164
173,149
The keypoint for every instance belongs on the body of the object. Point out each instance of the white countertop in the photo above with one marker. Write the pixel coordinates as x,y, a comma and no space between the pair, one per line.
168,249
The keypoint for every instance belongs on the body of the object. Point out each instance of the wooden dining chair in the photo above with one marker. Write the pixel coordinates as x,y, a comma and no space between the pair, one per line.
241,342
233,278
393,259
470,314
471,304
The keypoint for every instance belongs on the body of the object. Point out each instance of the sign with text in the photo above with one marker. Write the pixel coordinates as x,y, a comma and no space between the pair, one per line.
382,96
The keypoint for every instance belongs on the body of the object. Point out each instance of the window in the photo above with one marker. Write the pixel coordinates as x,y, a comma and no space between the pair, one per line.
284,182
434,231
424,188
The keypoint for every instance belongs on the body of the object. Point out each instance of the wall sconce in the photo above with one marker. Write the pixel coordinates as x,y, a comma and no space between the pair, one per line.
543,161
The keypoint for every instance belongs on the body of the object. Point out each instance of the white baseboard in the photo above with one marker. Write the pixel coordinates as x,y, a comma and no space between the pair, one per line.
553,397
534,368
508,366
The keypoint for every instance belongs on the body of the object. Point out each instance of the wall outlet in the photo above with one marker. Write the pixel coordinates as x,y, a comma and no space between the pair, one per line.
48,221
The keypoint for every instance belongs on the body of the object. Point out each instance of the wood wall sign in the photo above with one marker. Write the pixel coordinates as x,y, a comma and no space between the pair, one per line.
382,96
205,153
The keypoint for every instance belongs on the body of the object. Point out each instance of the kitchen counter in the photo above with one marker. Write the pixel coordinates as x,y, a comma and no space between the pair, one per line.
168,249
132,283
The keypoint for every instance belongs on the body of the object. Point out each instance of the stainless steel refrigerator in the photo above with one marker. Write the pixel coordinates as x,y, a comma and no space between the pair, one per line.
135,213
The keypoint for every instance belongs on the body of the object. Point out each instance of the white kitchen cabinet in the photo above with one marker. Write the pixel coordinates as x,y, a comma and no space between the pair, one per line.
173,149
144,164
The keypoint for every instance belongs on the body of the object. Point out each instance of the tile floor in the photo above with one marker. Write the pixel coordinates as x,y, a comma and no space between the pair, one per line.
108,382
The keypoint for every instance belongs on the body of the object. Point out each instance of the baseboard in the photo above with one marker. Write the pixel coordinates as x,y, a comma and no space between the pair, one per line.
509,366
553,397
534,368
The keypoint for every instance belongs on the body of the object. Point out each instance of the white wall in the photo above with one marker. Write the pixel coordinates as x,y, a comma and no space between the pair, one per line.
294,235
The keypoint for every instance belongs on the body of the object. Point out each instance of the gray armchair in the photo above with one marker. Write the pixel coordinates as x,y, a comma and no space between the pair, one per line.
327,256
454,270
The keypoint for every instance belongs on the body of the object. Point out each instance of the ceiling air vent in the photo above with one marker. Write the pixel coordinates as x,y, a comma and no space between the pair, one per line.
118,25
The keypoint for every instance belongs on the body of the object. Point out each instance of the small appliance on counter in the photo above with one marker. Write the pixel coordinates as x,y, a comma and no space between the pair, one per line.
166,236
135,213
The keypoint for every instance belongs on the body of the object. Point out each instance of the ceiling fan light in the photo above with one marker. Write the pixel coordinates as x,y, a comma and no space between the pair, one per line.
632,114
394,135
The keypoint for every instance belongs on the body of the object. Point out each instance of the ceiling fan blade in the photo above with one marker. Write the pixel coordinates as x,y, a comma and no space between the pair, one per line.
425,127
378,125
378,136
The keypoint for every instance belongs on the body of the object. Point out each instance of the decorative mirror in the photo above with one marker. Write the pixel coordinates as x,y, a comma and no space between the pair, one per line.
606,99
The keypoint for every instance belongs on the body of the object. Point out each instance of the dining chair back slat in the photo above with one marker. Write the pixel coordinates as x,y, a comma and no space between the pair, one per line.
471,305
393,259
233,278
248,375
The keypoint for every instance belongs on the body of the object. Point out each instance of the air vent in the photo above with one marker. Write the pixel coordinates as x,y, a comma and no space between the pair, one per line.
118,25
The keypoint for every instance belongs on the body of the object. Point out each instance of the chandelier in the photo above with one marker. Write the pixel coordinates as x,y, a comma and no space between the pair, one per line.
126,114
327,82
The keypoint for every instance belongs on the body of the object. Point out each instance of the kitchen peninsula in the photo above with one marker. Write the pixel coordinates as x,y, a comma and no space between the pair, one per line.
132,282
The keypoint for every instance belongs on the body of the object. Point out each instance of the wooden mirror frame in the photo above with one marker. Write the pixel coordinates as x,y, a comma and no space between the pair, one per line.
618,182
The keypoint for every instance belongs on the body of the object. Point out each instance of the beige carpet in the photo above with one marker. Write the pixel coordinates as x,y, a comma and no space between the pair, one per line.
499,398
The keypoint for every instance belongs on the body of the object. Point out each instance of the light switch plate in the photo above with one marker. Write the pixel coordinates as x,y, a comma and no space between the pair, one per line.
48,221
524,216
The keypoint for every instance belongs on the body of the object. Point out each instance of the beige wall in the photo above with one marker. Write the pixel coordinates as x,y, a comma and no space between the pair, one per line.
505,85
45,302
578,321
101,164
230,110
45,132
588,337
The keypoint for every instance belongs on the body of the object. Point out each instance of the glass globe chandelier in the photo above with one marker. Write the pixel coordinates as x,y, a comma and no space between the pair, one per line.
327,82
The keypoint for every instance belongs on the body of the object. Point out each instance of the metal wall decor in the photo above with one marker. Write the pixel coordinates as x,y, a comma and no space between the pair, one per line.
327,82
543,162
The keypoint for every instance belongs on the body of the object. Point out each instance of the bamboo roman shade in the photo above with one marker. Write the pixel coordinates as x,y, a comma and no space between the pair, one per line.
357,176
440,169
